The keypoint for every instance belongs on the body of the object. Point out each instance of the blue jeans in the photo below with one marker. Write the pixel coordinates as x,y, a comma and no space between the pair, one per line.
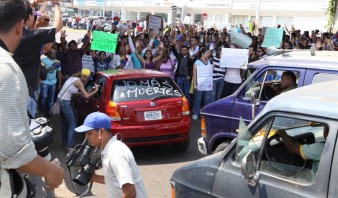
184,85
31,106
198,99
47,96
217,88
68,123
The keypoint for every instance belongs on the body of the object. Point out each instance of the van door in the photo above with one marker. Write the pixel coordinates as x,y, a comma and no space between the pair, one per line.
278,172
265,85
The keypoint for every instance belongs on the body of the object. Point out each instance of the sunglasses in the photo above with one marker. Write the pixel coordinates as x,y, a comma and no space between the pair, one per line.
53,52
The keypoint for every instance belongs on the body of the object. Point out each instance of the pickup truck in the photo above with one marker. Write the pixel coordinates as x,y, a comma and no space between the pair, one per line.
220,119
260,163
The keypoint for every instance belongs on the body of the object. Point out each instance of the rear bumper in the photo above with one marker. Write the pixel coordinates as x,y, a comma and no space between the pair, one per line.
153,134
202,147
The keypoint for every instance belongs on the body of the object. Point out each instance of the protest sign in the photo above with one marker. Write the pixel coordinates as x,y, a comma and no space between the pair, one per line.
103,41
240,40
187,20
154,22
234,58
204,78
88,63
273,37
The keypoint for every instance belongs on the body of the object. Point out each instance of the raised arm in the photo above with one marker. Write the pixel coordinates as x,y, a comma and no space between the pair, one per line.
43,7
63,41
57,16
130,43
79,85
139,57
86,43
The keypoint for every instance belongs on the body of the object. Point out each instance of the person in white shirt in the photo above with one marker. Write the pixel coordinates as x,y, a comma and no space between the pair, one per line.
121,175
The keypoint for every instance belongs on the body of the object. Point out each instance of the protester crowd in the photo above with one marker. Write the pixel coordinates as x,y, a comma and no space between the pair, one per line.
55,71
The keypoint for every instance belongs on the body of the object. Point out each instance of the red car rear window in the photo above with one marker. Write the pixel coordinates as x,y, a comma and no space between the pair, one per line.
144,89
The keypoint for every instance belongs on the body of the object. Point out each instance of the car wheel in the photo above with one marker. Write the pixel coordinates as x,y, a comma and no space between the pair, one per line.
222,146
181,146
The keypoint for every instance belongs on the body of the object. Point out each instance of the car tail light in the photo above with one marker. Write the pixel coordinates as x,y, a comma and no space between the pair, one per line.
172,184
113,112
203,131
185,106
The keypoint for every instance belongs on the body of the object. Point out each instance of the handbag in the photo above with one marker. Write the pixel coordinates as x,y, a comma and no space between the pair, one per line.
55,110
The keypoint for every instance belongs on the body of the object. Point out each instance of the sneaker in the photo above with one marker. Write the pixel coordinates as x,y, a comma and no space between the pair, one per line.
195,117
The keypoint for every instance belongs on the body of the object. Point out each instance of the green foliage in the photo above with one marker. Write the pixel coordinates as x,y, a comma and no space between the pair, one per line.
330,14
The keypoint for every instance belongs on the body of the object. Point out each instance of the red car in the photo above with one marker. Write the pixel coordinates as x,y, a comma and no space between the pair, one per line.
146,107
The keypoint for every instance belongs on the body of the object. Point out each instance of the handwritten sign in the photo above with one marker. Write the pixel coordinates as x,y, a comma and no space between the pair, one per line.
103,41
154,22
88,63
187,20
273,37
234,58
144,89
204,78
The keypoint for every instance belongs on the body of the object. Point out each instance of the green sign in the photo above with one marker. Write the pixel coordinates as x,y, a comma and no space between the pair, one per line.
103,41
273,37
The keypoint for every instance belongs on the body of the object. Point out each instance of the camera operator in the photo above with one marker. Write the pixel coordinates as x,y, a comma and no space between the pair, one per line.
16,148
121,175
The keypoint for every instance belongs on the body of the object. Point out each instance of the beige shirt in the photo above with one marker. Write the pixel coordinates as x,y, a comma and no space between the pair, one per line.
16,146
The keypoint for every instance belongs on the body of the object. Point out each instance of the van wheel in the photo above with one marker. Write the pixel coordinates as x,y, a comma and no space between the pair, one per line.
181,146
222,146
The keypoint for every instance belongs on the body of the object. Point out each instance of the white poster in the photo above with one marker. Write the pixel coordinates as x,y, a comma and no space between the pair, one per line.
204,78
187,20
88,63
155,22
234,58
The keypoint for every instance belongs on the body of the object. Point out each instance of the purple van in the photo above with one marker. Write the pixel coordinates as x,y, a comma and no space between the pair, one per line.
220,119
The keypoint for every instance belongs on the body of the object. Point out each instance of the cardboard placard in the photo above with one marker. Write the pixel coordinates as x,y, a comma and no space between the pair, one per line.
273,37
103,41
204,78
154,22
87,62
234,58
187,20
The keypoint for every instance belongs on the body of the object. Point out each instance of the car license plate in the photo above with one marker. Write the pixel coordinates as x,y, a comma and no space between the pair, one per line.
152,115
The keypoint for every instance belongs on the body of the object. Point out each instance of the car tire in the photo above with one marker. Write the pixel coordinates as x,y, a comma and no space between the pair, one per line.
222,146
181,146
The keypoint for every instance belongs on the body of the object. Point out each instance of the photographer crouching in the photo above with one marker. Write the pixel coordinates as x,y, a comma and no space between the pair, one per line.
117,159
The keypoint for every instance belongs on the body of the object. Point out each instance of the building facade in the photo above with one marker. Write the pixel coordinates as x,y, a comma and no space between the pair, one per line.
303,14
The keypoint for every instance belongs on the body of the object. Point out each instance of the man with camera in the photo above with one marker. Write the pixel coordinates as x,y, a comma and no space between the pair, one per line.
16,148
27,54
121,175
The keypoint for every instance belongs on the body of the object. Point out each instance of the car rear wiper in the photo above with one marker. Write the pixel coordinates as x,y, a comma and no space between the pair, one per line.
161,97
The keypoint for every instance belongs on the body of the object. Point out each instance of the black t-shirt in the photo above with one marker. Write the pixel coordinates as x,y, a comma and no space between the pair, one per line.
27,54
100,65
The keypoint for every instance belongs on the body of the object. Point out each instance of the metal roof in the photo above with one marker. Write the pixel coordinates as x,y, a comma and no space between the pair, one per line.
318,99
301,59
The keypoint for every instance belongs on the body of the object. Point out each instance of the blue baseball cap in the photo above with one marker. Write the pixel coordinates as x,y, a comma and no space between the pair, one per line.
96,120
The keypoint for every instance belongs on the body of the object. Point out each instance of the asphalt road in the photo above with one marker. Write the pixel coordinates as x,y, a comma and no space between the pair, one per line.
156,163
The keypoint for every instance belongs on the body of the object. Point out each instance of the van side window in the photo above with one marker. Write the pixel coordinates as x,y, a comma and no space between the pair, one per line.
318,78
292,149
269,84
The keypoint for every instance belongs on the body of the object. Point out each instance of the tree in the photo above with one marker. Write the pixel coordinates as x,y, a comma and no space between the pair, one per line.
331,14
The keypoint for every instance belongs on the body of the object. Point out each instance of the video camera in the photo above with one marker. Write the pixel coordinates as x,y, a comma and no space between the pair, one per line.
86,157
